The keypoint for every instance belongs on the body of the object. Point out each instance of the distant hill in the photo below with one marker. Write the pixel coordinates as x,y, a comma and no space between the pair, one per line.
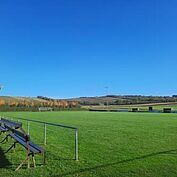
8,103
124,100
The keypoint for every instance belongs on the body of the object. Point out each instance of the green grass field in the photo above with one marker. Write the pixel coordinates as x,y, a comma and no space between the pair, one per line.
110,144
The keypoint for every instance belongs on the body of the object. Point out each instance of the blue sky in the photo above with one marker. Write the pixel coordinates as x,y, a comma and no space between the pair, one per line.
70,48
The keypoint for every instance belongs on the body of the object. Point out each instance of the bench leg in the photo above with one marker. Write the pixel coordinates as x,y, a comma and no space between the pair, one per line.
33,159
21,164
34,162
5,139
28,161
13,146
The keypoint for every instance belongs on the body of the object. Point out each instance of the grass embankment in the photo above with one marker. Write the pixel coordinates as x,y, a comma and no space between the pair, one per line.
110,144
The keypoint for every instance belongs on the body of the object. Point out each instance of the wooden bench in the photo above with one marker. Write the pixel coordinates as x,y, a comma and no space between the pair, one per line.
5,122
21,137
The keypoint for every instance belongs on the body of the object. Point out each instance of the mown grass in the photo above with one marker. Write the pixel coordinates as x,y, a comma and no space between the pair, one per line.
110,144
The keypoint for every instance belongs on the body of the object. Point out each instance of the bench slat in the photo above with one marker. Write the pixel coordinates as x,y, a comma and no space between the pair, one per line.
30,143
36,147
3,128
22,142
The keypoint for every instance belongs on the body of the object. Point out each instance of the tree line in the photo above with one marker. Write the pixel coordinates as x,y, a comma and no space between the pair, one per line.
11,103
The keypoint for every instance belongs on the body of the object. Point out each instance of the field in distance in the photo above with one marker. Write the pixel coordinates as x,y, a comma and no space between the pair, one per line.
145,107
110,144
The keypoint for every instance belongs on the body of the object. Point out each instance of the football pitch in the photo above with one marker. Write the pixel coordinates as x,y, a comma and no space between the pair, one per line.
110,144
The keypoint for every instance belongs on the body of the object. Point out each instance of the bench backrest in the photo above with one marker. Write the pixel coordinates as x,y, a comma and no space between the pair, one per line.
10,123
20,132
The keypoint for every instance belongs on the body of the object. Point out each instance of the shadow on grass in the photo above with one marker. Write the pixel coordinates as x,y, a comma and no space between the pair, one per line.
119,162
4,163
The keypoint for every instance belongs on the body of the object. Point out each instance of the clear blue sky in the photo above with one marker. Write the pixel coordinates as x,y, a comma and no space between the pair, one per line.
69,48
